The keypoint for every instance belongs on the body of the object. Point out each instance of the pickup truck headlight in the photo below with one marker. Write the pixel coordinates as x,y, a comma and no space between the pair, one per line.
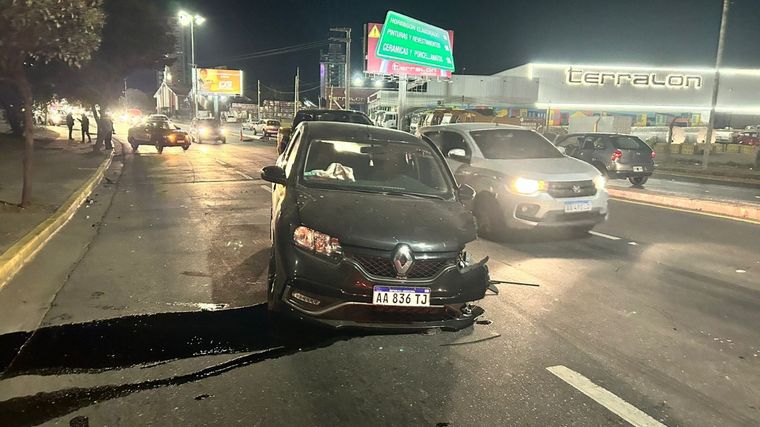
600,182
319,243
526,186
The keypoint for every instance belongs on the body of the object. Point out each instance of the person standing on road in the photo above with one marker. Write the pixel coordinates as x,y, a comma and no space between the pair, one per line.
85,122
70,125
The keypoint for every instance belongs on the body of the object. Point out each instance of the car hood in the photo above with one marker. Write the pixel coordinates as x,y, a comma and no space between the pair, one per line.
380,221
554,169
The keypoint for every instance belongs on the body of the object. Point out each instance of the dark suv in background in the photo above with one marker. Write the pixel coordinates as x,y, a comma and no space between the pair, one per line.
617,156
341,116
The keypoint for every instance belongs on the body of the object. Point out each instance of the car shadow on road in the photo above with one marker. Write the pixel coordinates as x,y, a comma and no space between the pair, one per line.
142,341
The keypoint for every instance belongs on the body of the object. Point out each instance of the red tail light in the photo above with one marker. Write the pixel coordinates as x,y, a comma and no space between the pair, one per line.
616,155
654,154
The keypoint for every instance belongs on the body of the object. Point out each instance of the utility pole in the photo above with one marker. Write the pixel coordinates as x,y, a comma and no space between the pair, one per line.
295,104
347,76
258,99
716,84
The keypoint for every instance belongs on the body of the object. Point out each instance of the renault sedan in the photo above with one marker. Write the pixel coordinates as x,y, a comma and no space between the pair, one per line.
369,230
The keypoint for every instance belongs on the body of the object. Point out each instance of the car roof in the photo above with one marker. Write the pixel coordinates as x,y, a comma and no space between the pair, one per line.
473,126
324,130
326,110
599,133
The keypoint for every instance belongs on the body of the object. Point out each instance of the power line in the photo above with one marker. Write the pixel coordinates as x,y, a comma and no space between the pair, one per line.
275,51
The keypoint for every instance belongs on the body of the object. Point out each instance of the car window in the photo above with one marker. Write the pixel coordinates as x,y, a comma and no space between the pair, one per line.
600,144
288,155
571,144
273,123
453,140
628,143
376,166
513,144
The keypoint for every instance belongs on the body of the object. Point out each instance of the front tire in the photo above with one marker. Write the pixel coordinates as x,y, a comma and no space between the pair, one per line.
273,304
224,140
489,218
638,181
185,147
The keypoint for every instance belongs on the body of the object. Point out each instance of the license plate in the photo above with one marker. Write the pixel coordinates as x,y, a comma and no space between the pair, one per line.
638,168
401,296
572,207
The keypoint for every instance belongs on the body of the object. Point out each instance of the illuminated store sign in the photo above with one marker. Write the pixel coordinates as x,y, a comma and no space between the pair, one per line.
577,76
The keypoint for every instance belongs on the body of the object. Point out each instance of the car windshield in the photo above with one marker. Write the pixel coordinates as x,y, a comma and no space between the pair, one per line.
273,123
209,122
160,124
513,144
331,116
376,166
628,143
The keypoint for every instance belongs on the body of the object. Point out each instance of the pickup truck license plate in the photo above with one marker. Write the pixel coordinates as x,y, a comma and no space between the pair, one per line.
638,168
573,207
401,296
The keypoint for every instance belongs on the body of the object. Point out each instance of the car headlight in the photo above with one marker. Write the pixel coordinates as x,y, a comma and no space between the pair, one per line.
600,182
203,131
522,185
319,243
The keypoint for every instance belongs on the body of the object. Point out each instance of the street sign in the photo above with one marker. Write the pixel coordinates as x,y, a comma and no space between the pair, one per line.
406,39
376,65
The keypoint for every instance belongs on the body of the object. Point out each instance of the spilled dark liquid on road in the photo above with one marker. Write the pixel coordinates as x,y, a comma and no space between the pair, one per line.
143,341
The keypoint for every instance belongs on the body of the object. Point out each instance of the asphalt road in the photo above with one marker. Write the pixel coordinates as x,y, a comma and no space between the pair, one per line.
147,310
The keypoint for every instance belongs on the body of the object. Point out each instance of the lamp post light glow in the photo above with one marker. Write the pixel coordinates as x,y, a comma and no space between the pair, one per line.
184,20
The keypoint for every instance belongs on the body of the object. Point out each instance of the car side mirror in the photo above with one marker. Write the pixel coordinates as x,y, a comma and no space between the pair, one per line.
458,154
562,150
466,193
273,174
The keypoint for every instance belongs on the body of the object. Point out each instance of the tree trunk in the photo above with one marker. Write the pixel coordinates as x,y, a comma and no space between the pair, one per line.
26,96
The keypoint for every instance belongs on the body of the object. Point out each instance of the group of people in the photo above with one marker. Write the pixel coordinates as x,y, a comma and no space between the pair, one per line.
105,130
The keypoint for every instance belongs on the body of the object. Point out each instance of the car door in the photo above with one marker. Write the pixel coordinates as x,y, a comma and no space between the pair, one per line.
586,150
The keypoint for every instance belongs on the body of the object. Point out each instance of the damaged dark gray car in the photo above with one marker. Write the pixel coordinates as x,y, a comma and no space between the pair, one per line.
369,230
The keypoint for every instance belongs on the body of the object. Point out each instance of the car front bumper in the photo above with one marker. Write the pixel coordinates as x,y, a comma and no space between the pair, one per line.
544,211
339,295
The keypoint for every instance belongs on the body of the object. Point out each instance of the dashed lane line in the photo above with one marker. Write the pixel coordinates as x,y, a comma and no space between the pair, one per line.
243,174
606,236
623,409
267,187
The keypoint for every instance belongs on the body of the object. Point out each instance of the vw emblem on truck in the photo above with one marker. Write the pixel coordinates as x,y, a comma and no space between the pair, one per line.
403,259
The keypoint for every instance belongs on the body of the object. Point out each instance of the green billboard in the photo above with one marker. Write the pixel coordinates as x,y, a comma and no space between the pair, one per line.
406,39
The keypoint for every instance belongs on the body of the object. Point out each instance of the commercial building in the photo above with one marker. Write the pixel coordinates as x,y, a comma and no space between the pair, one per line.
650,96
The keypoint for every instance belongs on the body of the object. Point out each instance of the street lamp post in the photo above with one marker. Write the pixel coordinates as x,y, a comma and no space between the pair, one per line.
191,20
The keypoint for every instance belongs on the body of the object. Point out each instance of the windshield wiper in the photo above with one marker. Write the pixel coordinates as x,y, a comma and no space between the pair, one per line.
408,194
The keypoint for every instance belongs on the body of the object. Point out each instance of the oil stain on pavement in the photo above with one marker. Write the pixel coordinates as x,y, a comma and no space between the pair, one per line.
141,341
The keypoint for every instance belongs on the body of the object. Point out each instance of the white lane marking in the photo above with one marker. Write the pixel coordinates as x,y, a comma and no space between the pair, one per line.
605,398
633,243
222,162
606,236
741,271
267,187
244,175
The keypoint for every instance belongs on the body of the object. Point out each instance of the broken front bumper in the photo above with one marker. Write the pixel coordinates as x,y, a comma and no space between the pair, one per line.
339,295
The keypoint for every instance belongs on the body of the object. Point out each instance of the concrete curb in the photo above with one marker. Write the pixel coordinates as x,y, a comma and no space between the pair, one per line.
745,211
21,252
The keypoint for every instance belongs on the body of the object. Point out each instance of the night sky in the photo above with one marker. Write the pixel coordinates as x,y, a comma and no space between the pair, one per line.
490,36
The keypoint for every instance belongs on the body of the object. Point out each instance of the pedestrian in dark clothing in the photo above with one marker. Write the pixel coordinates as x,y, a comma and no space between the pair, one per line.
70,125
108,131
85,122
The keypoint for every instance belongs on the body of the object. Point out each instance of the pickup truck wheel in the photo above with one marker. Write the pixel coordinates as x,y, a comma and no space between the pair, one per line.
185,147
489,218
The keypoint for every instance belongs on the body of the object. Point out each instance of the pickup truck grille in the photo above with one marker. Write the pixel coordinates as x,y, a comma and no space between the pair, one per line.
566,189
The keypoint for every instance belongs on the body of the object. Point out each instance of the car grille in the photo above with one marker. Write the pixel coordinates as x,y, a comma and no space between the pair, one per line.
383,267
571,189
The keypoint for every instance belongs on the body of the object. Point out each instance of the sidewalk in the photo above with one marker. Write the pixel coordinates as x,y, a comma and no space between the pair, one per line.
60,168
716,173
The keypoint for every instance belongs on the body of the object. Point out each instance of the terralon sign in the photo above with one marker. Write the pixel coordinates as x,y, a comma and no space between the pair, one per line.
579,76
406,39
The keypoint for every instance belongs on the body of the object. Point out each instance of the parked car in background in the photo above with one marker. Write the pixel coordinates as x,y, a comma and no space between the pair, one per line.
521,180
342,116
266,127
617,156
353,243
157,117
158,133
748,138
207,130
388,120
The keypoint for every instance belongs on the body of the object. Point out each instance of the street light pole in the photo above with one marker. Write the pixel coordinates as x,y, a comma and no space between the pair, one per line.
716,83
188,19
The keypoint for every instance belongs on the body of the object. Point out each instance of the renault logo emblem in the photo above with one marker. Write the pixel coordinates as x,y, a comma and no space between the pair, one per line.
403,259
